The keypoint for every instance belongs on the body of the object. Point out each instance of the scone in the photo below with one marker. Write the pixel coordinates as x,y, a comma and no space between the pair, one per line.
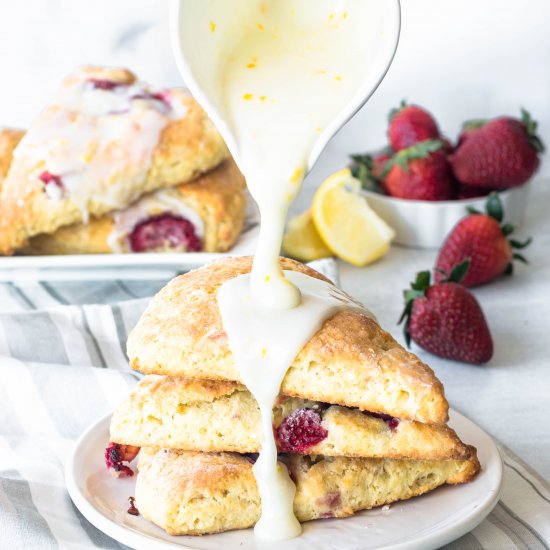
214,416
351,361
106,140
9,139
198,493
206,214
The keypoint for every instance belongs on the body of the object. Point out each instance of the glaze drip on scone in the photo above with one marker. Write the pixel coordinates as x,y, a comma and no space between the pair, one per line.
97,131
264,342
280,73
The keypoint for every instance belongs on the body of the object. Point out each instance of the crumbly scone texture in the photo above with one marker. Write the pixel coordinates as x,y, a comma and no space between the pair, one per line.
9,139
188,493
214,416
187,146
350,361
218,197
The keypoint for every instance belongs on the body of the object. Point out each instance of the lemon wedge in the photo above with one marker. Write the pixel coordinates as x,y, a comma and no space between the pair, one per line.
346,223
302,240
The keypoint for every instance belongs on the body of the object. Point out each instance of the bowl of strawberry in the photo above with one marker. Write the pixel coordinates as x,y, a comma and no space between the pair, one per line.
422,185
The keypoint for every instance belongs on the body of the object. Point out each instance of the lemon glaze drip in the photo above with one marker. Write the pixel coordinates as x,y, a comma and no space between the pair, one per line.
282,72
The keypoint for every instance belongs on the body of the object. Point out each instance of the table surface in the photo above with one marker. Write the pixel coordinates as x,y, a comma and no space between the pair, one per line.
510,396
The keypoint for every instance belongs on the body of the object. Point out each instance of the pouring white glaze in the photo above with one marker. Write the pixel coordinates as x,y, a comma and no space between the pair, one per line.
279,77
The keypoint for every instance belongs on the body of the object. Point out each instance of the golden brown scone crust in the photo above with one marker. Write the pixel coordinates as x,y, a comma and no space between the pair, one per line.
188,146
218,197
214,416
9,138
198,493
351,361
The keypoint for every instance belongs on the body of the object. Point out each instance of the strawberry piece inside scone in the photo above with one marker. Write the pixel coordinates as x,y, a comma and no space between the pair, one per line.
116,454
53,185
165,231
391,421
102,84
300,431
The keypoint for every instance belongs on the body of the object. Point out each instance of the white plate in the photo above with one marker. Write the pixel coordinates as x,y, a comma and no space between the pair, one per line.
425,522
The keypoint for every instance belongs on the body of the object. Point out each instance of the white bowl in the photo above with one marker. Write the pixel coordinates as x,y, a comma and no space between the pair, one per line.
425,224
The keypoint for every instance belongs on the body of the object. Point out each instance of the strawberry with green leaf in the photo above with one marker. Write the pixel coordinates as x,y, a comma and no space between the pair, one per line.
420,172
481,239
368,169
499,153
446,319
410,124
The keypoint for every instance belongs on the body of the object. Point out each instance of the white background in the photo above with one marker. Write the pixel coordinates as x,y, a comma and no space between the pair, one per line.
460,58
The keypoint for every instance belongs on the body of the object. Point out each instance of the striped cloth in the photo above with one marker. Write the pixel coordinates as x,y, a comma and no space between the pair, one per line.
63,366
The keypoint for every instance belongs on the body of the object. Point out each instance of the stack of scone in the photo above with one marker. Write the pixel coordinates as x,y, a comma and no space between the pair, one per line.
360,421
112,165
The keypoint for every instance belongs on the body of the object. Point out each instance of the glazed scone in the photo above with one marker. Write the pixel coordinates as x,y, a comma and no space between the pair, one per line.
206,214
214,416
189,493
106,140
351,361
9,139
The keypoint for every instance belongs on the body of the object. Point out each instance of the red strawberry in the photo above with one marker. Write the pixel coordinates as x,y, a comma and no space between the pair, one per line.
503,153
300,431
481,239
420,172
468,129
446,319
410,124
368,169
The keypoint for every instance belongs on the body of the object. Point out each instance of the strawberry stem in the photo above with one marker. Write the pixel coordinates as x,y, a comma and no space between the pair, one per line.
419,150
459,271
417,290
493,207
396,110
531,128
362,168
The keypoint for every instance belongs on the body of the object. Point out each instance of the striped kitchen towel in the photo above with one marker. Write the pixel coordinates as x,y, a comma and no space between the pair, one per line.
63,366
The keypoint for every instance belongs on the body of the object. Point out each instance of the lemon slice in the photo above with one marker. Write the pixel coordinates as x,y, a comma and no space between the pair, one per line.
346,223
302,240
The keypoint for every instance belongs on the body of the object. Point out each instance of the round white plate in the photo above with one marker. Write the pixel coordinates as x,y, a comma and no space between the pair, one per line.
425,522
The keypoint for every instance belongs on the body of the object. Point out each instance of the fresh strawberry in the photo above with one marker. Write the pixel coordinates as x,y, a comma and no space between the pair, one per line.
468,129
410,124
481,239
420,172
368,169
502,153
446,319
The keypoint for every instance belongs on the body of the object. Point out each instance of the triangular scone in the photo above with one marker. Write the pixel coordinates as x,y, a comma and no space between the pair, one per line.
212,207
106,140
351,361
189,493
9,139
214,416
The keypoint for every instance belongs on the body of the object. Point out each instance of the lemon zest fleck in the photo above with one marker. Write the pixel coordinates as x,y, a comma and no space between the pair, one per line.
248,97
212,26
297,175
